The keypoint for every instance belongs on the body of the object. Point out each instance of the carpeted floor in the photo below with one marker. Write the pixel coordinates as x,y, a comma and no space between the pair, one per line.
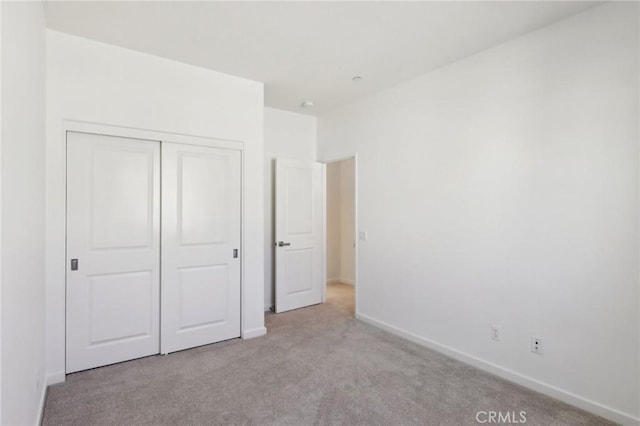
316,366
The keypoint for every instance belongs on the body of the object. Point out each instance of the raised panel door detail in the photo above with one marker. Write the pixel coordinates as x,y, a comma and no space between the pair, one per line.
299,270
121,306
300,197
201,209
203,295
121,194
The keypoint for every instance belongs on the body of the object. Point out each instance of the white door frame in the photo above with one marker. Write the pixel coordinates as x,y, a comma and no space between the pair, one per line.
353,156
58,245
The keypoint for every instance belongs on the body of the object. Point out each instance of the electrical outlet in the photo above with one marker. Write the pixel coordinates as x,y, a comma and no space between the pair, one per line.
495,333
536,345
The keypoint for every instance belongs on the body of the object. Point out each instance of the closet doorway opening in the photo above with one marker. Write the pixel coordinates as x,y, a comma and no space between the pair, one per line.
341,232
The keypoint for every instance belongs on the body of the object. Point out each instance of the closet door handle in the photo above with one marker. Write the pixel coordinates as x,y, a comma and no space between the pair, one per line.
283,244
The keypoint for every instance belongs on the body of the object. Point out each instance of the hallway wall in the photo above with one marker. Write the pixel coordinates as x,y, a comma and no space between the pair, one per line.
333,221
341,221
347,222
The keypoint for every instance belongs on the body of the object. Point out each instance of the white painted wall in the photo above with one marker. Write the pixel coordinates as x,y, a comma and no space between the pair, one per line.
95,82
1,133
23,209
503,189
286,135
333,221
347,221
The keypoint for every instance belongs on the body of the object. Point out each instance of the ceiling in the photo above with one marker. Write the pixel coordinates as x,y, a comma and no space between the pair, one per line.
309,50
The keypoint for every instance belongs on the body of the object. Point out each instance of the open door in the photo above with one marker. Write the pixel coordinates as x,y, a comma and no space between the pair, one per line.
299,233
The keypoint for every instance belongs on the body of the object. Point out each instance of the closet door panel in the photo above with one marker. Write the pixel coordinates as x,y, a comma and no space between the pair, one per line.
113,249
201,219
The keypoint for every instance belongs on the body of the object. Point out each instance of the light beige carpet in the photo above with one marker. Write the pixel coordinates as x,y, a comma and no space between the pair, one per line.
316,366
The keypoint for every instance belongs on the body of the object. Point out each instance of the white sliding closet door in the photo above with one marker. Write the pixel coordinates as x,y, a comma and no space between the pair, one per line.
113,249
201,218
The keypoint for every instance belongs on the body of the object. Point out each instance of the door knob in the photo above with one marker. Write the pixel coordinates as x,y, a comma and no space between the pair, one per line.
282,244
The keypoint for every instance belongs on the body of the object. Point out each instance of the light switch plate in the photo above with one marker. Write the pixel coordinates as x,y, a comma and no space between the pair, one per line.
363,235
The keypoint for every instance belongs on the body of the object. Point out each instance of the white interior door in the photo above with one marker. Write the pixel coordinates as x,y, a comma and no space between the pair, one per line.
113,249
201,219
299,232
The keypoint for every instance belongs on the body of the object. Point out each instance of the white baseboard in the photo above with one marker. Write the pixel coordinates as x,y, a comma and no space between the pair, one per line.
341,280
549,390
256,332
43,399
54,378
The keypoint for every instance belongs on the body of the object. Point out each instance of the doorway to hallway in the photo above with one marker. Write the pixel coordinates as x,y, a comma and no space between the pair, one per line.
341,233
